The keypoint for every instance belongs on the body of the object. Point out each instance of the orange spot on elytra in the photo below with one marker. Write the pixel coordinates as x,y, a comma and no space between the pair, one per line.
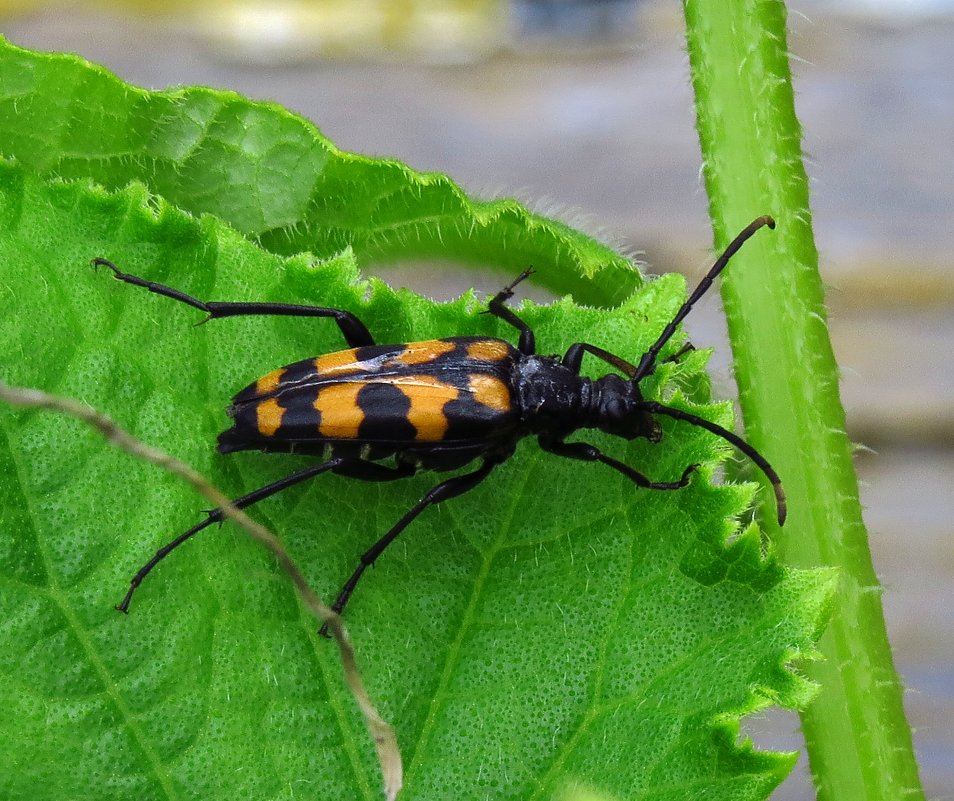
490,391
268,415
488,350
422,352
428,396
340,414
267,384
341,362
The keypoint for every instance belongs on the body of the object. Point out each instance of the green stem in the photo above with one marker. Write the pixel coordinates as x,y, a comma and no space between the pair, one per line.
859,742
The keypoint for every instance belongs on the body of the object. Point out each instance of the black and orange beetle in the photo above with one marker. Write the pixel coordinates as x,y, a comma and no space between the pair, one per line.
439,405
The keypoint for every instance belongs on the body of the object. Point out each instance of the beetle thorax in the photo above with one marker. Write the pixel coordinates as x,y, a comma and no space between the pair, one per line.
557,400
551,397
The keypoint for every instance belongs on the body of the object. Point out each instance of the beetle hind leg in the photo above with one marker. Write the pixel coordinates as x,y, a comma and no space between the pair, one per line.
217,516
352,329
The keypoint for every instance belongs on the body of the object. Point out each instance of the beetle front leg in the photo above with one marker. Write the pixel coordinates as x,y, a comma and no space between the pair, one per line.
573,360
590,453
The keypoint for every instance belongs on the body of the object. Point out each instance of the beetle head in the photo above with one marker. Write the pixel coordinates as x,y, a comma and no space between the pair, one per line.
621,410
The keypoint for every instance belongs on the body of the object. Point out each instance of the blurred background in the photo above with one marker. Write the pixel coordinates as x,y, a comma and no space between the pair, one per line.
582,109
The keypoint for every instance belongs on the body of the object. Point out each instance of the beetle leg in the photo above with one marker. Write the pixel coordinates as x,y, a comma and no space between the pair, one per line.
590,453
353,330
654,407
442,492
573,359
216,516
496,307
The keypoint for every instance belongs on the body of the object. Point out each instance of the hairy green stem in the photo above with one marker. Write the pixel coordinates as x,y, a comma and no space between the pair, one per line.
859,742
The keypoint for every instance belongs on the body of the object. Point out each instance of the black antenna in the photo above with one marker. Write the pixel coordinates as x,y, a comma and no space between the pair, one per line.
654,407
648,363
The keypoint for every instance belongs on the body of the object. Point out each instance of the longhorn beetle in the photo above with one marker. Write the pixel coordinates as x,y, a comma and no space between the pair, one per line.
440,404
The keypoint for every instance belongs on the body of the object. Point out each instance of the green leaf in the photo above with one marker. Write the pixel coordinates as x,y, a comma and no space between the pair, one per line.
555,631
275,178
